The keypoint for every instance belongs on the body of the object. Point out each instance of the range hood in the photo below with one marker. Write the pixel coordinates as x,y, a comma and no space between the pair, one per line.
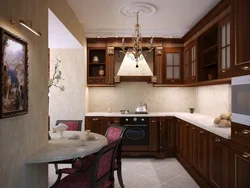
127,68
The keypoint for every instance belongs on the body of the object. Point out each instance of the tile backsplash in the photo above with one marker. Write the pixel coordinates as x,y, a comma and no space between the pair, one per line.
129,95
209,100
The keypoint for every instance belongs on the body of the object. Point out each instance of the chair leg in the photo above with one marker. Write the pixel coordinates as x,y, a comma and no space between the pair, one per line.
119,174
56,166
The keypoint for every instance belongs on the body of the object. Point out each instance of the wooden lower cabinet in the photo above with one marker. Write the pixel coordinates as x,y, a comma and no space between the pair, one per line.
154,124
201,164
240,166
180,136
188,143
96,124
219,162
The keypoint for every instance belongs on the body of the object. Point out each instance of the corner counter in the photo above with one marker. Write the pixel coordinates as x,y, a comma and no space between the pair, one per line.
200,120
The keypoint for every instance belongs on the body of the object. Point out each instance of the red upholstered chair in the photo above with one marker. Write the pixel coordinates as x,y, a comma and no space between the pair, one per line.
114,132
99,174
73,125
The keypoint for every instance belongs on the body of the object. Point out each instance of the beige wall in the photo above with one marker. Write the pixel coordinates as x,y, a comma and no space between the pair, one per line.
68,104
214,100
208,100
22,135
129,95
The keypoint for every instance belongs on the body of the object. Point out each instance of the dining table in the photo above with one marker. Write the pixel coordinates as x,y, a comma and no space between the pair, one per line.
70,145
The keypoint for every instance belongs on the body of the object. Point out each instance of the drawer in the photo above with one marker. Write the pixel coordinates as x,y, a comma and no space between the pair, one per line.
96,80
241,134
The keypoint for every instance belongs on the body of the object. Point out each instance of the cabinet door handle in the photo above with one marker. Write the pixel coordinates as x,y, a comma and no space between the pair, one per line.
193,128
201,132
245,131
217,140
95,119
245,155
116,121
153,121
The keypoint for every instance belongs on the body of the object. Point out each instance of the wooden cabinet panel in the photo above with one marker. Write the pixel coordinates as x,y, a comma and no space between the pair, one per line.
219,160
172,65
154,124
242,29
240,167
202,152
96,124
241,134
188,143
179,136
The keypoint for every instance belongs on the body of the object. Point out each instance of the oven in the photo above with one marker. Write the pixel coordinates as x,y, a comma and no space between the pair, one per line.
241,100
137,132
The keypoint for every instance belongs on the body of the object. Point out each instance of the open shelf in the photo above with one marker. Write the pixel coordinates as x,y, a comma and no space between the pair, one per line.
209,65
210,49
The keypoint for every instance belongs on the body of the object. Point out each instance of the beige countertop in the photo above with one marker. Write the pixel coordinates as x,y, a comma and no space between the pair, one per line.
200,120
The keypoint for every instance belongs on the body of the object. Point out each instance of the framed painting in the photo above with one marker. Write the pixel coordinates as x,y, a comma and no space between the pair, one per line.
14,75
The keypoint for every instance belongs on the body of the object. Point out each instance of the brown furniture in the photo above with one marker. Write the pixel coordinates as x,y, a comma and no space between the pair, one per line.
73,125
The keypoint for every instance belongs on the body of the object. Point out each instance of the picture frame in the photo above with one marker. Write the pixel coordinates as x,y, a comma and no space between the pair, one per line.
14,75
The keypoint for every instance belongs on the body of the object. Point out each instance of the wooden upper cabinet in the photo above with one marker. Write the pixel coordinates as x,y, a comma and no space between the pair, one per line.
225,49
172,65
190,63
242,30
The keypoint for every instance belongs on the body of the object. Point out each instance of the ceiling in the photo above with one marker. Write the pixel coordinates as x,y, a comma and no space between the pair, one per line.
158,18
59,35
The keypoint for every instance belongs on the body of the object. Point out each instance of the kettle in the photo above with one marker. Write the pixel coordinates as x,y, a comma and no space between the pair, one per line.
141,108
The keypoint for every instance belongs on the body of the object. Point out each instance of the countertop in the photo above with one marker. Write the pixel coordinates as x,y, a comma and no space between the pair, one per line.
200,120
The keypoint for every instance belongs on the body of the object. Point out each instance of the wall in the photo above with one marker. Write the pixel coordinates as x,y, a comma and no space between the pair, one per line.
129,95
22,135
209,100
68,104
214,100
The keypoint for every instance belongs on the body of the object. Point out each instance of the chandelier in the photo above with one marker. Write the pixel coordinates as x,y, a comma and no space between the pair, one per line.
137,52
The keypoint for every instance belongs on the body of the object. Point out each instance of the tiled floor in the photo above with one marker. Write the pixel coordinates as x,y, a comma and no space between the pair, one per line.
148,173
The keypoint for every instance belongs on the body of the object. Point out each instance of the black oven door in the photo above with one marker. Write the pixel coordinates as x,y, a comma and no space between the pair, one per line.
136,135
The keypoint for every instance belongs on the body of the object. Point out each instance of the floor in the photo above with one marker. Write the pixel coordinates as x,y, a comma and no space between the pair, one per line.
147,173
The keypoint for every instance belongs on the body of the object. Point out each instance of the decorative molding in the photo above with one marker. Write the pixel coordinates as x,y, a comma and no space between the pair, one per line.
144,9
158,50
111,50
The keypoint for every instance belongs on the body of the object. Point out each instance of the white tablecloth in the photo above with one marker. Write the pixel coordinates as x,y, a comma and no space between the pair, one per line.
59,149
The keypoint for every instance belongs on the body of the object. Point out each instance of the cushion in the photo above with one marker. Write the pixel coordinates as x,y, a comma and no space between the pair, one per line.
72,126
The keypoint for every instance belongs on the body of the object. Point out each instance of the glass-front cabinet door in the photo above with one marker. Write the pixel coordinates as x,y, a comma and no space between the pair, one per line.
193,63
172,65
186,65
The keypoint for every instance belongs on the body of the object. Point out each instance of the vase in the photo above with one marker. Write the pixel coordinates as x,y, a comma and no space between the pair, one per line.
101,71
95,59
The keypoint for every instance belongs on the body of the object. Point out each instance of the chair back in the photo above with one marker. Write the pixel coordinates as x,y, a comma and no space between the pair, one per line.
103,175
73,125
114,132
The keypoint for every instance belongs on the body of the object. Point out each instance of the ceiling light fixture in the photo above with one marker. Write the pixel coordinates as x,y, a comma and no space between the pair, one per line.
137,52
25,24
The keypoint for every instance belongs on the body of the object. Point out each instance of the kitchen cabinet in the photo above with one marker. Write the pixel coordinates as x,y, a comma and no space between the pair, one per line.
180,136
219,162
97,65
225,49
96,124
155,124
240,166
242,37
190,63
208,54
188,143
172,65
201,156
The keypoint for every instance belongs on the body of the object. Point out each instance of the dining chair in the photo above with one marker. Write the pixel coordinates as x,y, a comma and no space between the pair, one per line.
114,132
99,174
73,125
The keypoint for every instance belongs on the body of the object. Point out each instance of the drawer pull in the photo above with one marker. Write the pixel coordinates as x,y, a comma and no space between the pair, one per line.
217,140
193,128
116,122
153,121
95,119
245,155
245,131
201,132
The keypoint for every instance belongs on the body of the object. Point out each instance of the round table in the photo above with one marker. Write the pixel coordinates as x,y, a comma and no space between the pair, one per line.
64,148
